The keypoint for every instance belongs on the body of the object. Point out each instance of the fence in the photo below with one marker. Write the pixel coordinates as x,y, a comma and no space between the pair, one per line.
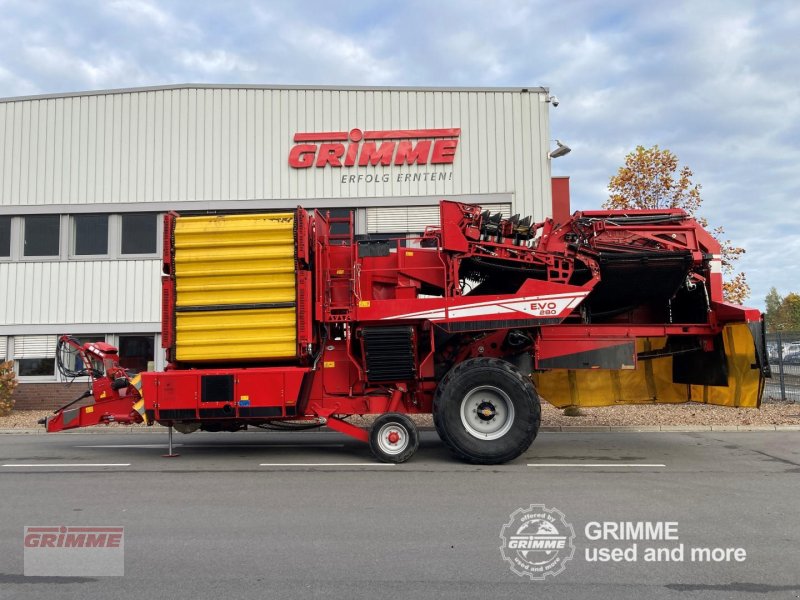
783,349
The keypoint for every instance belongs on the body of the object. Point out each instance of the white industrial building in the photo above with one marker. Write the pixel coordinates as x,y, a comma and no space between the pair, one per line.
85,178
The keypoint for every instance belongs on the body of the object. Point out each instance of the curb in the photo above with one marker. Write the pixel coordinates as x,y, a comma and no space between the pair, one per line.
544,429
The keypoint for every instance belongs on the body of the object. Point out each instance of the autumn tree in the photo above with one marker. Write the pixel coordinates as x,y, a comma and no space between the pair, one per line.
652,178
8,382
783,313
789,312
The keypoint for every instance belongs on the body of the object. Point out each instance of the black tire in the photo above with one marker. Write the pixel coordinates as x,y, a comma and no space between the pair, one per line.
393,449
486,390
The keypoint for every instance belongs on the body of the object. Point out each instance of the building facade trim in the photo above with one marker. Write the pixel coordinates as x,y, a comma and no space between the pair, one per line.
257,204
251,86
79,328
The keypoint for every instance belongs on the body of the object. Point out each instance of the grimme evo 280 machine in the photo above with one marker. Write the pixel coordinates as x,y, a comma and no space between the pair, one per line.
272,320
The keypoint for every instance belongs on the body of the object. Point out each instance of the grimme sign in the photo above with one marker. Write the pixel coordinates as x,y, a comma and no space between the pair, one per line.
68,551
359,148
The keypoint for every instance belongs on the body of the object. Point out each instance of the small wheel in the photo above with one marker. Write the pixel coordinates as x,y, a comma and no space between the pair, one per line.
393,438
486,411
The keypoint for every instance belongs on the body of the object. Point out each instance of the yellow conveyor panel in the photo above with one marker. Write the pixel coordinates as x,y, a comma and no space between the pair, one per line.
235,287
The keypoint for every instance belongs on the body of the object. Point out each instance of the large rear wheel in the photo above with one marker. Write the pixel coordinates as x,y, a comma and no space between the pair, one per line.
486,411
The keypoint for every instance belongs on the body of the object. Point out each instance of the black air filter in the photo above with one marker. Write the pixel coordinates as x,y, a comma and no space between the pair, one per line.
389,353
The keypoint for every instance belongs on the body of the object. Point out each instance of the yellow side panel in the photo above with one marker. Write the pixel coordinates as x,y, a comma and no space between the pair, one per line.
236,335
234,259
238,272
651,382
745,384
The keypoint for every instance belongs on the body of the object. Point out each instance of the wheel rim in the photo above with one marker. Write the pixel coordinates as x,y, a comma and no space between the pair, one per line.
393,438
487,412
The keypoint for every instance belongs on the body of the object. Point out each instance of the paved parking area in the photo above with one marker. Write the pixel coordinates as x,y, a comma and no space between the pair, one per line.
256,515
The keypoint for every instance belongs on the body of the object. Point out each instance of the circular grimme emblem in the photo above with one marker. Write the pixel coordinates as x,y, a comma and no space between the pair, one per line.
537,542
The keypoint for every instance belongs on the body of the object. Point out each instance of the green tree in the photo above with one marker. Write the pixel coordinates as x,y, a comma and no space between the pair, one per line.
773,303
651,178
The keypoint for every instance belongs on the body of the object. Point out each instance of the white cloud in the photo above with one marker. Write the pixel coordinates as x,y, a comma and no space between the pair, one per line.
98,71
144,11
334,56
716,82
20,85
483,60
215,61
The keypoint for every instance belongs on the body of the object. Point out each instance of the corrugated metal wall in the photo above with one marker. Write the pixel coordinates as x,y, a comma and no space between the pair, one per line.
163,147
177,145
102,291
413,219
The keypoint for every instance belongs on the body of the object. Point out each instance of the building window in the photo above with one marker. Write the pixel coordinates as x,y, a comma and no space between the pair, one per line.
136,351
139,234
42,235
35,355
36,367
90,235
5,236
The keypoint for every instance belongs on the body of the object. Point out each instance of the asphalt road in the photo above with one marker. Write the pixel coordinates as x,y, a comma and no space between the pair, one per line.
227,519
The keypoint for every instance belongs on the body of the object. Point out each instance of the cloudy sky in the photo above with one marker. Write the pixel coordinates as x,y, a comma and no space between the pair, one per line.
718,83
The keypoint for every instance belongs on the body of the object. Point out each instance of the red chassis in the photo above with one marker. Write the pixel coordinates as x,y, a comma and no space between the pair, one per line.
388,327
116,393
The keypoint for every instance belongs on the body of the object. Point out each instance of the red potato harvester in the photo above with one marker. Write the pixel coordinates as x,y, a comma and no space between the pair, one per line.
272,320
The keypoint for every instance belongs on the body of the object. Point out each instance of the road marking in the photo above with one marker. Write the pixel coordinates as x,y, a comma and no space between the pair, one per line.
596,465
369,464
309,445
70,465
130,446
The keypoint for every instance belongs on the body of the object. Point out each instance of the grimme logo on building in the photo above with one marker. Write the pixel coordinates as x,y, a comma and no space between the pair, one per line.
73,551
373,148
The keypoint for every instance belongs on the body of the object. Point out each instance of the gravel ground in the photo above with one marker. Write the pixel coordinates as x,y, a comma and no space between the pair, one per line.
772,413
